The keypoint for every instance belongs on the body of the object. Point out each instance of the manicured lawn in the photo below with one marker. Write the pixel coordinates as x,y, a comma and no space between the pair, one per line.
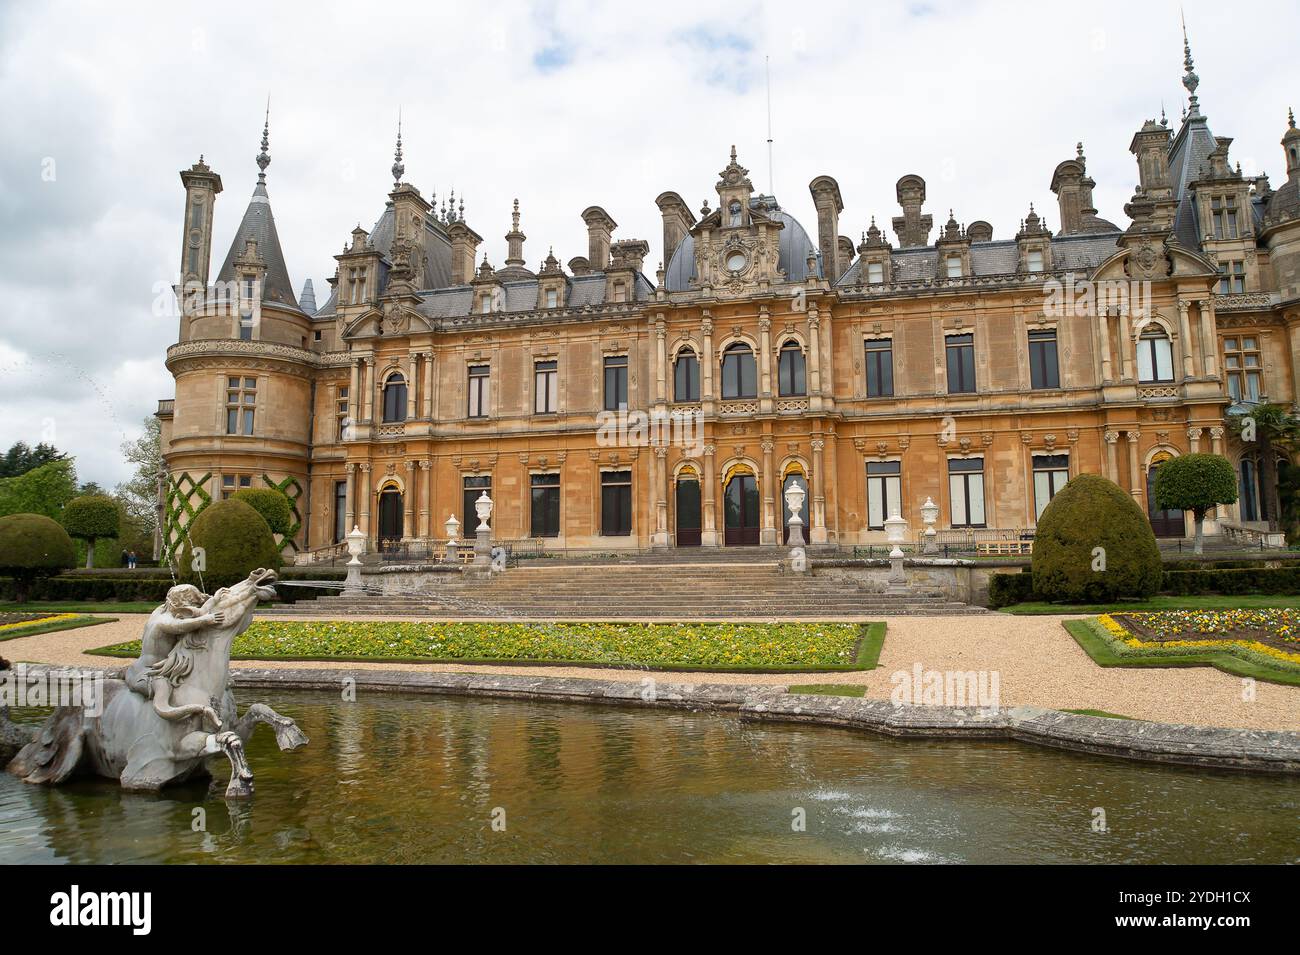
77,606
772,648
1199,602
1108,648
49,623
829,689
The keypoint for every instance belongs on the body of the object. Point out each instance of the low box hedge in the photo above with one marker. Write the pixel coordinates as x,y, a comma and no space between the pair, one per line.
1006,590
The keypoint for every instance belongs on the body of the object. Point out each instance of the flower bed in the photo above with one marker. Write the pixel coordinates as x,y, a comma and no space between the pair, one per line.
703,646
1265,640
14,625
17,621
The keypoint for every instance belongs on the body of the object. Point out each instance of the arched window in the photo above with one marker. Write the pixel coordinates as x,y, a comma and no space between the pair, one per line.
1155,356
686,376
790,370
395,397
739,374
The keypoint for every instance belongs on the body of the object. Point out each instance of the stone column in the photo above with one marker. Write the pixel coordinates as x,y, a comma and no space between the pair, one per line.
661,498
412,364
349,495
1194,440
814,358
1126,346
1107,372
1216,440
706,360
408,502
368,384
426,496
661,359
817,535
709,532
1209,341
1211,523
765,389
428,386
828,366
768,532
363,492
1112,464
1134,467
354,394
1185,333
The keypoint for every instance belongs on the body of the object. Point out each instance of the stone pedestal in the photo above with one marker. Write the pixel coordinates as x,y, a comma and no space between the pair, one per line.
897,574
451,556
352,583
483,547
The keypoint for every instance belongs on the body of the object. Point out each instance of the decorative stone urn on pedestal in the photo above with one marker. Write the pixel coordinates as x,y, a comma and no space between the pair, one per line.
930,514
356,547
451,527
896,533
483,533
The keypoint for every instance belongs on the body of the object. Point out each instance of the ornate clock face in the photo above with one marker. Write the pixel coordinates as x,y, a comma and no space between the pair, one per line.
736,261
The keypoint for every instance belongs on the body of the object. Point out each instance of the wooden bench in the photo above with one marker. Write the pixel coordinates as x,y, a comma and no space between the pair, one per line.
1012,548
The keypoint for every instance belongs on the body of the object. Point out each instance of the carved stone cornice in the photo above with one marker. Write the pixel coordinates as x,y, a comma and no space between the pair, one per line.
218,353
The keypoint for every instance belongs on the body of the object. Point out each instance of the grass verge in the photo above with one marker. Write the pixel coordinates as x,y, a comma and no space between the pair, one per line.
829,689
702,647
1102,648
1106,713
1202,602
77,606
52,626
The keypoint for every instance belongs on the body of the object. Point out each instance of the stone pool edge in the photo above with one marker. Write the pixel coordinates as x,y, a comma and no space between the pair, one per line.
1272,751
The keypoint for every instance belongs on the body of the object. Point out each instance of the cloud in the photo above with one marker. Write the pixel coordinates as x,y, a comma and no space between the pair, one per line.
563,105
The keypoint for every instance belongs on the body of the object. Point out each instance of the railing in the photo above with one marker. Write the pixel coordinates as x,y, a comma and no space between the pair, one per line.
1249,536
166,405
322,555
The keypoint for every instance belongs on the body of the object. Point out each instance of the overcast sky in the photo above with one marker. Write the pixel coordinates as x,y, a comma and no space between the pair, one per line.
562,105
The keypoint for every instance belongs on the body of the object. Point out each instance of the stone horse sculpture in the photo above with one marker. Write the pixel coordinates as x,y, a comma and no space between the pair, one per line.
172,713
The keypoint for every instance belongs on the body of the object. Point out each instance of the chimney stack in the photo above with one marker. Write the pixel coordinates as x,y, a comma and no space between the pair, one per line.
600,227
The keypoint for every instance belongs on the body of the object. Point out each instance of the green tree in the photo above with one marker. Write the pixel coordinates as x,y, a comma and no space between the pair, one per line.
92,517
20,458
272,503
1093,544
1268,429
1196,483
42,490
140,493
32,546
225,543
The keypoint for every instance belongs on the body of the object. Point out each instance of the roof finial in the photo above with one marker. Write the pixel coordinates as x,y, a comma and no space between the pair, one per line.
1190,79
514,216
398,168
264,157
733,152
1290,121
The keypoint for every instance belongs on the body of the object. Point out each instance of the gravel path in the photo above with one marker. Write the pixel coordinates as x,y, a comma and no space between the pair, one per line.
1037,663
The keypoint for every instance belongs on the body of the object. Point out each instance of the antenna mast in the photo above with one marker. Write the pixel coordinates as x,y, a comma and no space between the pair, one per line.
767,67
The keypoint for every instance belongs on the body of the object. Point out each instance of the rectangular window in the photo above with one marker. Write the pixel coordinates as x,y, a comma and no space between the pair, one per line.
616,503
1216,215
1051,471
546,387
1241,364
473,486
875,273
552,298
545,505
1043,369
479,379
340,511
1034,260
961,364
1232,277
880,367
230,483
954,266
884,491
686,377
1155,357
615,382
966,492
241,399
341,413
485,304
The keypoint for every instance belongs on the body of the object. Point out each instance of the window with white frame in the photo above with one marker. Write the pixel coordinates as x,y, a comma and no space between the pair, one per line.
479,401
1034,260
966,492
875,273
546,387
1051,471
241,402
884,491
1155,356
953,266
1241,363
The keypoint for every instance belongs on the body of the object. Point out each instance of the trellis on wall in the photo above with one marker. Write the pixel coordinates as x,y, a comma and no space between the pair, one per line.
291,489
181,509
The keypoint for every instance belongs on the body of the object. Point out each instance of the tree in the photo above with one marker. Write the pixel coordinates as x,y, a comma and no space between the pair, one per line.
1268,428
89,518
20,458
42,490
1093,544
272,503
32,546
1196,483
140,493
226,542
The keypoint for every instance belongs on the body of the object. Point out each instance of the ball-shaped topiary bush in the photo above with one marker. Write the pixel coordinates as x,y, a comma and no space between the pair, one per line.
1094,544
91,517
32,546
271,503
225,543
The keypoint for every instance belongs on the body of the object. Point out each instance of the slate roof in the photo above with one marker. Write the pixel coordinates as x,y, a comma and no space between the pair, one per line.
998,257
259,224
584,291
792,250
1189,156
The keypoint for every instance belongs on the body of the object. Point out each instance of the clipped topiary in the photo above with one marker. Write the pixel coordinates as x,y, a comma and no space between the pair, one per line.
1094,544
225,543
90,518
32,546
1196,483
271,503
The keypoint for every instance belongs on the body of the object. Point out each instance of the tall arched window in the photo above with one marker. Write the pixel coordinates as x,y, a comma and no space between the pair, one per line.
686,376
1155,356
790,370
395,397
739,373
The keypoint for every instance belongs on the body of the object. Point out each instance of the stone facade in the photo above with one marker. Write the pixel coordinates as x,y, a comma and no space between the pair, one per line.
978,371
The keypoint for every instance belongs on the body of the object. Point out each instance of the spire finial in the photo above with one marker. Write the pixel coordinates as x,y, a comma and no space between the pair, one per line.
733,152
1190,79
1290,120
264,157
514,216
398,167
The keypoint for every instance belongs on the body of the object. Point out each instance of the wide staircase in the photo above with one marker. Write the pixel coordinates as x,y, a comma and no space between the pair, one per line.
673,590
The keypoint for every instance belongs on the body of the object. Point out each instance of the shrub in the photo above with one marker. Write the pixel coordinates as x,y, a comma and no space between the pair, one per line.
235,541
1091,512
89,518
1254,580
1196,483
33,546
272,504
1008,589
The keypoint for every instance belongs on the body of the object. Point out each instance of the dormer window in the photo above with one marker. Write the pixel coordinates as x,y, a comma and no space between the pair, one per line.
358,283
953,266
1034,260
875,273
620,292
734,213
485,303
1223,212
552,298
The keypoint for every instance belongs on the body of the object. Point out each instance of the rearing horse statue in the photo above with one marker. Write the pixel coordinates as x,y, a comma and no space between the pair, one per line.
173,713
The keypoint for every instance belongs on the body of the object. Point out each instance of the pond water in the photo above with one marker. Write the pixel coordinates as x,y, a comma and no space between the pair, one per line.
418,779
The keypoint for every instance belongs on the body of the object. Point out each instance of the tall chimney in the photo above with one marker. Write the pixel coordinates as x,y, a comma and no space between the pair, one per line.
600,227
678,220
464,249
826,197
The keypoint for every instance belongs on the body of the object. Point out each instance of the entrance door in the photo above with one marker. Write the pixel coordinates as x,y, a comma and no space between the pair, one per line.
1165,523
803,508
740,502
688,512
390,516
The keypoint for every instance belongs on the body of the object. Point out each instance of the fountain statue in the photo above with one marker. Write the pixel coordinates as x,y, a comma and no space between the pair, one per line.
174,711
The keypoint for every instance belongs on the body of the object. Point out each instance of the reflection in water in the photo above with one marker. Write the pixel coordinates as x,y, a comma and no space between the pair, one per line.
416,779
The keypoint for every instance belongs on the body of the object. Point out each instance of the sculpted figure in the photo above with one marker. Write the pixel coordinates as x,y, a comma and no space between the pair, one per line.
165,722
